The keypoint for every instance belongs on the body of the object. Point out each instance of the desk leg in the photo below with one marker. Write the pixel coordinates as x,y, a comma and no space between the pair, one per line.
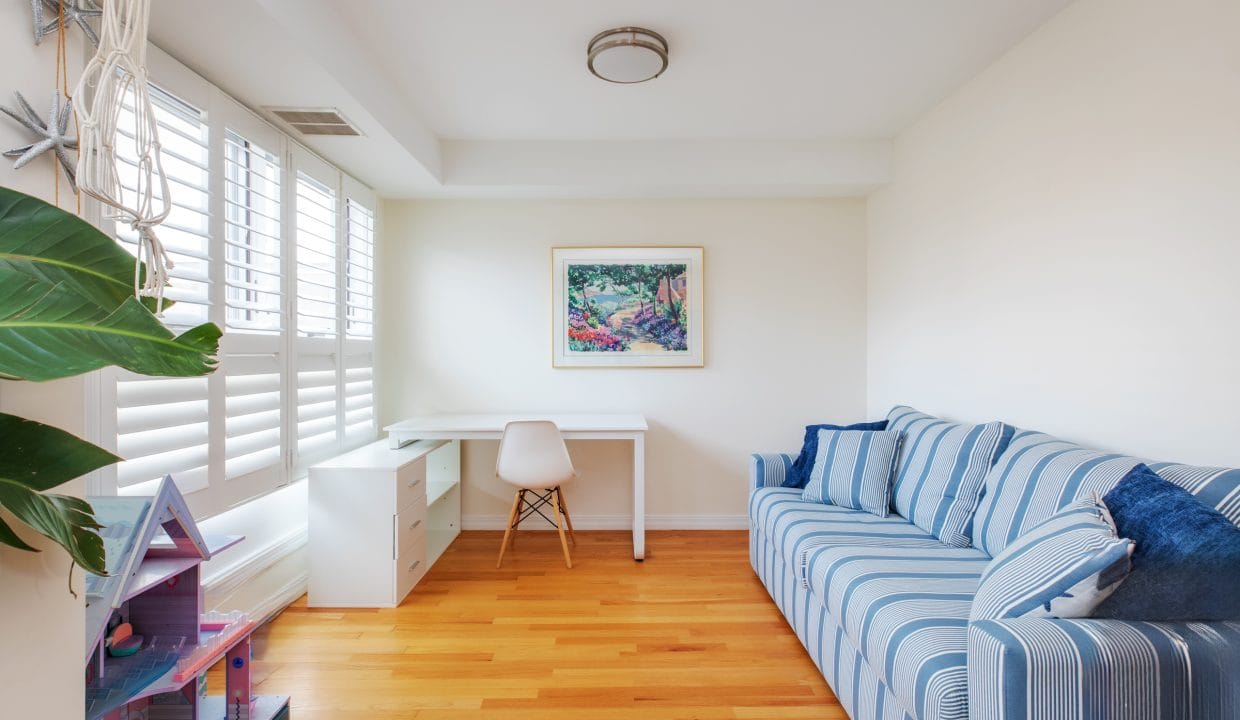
639,496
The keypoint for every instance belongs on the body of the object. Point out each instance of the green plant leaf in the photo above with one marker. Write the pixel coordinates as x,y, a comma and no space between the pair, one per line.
10,538
47,333
41,242
42,457
67,521
38,457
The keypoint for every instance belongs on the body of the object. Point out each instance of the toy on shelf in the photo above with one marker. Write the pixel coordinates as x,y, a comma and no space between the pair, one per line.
148,642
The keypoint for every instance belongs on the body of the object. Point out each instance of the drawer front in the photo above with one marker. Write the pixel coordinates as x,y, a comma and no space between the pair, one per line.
410,525
411,484
411,565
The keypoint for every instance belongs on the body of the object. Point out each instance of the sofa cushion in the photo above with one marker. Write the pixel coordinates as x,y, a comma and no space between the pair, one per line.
798,475
795,526
1188,554
941,470
853,470
907,611
1062,568
1035,478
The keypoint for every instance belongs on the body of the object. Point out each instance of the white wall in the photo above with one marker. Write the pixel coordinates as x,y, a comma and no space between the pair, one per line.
1060,244
465,325
37,613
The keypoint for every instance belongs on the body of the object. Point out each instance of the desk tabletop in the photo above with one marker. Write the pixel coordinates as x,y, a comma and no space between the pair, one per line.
494,422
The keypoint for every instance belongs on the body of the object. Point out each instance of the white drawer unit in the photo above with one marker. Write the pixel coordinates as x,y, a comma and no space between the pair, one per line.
379,518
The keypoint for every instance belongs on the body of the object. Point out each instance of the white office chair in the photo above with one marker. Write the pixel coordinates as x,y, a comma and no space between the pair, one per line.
533,457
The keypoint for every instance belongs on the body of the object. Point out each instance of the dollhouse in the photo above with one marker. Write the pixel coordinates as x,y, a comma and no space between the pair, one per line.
148,642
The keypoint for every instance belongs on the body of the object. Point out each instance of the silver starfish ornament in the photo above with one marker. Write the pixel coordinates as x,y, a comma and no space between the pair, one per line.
79,12
52,134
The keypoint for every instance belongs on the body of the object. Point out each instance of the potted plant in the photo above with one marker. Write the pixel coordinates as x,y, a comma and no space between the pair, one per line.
67,307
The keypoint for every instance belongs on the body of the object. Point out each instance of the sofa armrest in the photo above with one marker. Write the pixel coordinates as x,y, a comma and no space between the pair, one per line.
768,470
1044,669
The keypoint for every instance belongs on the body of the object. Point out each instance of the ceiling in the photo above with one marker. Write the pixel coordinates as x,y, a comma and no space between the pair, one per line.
492,97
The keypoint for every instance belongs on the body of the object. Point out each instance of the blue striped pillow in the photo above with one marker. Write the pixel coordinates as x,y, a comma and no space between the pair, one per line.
941,471
1062,568
853,469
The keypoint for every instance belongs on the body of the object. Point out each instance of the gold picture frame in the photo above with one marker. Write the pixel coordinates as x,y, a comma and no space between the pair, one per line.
628,306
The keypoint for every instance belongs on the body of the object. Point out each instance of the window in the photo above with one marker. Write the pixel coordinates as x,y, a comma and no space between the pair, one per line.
359,416
318,310
254,316
162,424
267,243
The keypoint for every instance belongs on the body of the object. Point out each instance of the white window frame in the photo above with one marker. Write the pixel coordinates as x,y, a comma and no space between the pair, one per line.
223,112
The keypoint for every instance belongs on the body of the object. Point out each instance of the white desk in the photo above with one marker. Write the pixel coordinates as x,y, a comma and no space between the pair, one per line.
572,427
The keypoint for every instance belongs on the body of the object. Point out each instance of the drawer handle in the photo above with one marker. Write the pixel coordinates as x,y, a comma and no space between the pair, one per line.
415,524
415,565
415,483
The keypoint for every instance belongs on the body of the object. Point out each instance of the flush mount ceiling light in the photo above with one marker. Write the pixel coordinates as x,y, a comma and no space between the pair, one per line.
627,55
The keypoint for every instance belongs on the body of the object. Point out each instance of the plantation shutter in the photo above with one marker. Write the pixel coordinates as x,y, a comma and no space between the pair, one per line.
162,424
359,415
252,348
317,313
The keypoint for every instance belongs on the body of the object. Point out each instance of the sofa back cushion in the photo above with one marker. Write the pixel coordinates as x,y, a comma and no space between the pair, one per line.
1037,476
941,469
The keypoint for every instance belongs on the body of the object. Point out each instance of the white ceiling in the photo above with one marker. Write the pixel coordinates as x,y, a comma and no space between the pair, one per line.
492,97
776,69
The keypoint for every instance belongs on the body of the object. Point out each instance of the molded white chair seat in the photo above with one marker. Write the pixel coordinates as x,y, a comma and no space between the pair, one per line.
534,458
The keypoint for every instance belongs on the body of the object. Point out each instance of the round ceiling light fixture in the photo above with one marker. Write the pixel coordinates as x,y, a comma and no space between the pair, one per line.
627,55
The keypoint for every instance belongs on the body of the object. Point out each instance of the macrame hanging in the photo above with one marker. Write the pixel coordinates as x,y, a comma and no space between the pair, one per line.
116,72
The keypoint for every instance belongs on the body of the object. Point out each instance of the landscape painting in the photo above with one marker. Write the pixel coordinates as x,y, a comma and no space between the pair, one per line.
628,307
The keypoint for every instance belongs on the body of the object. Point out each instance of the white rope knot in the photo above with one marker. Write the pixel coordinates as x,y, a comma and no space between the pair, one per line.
158,263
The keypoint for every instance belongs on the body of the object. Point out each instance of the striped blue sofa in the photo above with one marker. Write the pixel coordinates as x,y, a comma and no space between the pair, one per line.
882,606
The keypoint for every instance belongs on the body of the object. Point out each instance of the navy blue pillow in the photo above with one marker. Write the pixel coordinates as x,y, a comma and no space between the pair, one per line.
1187,562
798,475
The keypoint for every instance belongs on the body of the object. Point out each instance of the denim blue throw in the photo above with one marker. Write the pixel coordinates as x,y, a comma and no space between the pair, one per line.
798,475
1187,562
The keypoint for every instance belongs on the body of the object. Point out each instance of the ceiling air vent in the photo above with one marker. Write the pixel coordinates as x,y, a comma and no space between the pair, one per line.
315,121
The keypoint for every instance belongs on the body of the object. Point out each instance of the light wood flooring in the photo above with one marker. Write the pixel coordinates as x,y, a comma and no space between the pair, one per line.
689,633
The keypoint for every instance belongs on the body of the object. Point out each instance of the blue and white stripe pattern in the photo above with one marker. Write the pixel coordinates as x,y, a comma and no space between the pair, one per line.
882,607
1039,474
907,611
1041,669
1034,479
797,526
859,689
1062,568
941,470
853,469
768,470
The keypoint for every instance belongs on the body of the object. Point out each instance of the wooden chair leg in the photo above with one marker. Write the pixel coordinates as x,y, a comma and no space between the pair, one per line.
567,520
516,520
512,515
559,525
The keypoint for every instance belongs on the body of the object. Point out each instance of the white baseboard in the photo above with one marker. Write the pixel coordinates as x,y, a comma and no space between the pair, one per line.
617,522
250,570
281,598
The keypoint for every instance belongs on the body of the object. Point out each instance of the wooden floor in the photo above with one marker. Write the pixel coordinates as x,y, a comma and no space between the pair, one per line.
689,633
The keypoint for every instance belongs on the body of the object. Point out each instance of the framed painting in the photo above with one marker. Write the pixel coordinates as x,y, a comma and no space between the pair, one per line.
627,307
